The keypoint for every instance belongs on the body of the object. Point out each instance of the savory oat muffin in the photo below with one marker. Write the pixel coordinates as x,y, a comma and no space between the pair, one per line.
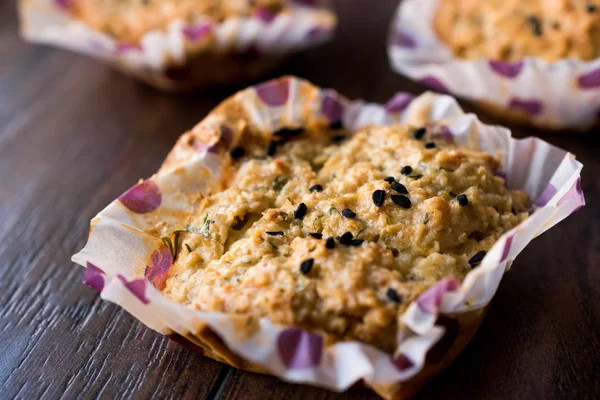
129,20
182,45
336,231
510,30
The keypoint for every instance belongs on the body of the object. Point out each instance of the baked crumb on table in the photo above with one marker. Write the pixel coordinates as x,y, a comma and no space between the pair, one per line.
337,232
509,30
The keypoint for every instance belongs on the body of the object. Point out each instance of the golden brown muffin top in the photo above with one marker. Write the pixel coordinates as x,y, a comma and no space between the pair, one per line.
336,231
510,30
129,20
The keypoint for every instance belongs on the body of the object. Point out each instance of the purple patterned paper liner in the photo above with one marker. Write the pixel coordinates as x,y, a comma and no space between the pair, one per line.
506,250
264,15
402,39
435,84
332,107
197,32
142,198
93,277
590,80
574,194
158,269
63,4
429,301
399,102
402,362
137,287
546,195
530,106
317,32
274,93
507,70
299,349
441,132
125,47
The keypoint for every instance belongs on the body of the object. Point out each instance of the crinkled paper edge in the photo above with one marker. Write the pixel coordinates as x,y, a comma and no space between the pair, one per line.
118,244
47,21
561,94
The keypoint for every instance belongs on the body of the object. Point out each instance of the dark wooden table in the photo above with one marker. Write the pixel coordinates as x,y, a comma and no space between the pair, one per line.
74,134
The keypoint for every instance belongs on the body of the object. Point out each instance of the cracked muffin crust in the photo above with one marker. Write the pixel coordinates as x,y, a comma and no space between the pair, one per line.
509,30
129,20
337,232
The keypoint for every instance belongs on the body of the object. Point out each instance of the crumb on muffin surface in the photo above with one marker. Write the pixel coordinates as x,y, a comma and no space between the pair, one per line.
337,232
129,20
510,30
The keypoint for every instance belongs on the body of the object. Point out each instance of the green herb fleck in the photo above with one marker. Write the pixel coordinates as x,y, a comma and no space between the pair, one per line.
167,241
206,226
426,218
279,183
187,246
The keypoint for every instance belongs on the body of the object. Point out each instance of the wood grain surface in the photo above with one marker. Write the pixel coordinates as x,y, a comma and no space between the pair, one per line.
74,134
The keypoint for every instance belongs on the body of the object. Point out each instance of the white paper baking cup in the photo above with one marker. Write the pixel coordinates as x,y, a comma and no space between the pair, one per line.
118,248
562,94
305,23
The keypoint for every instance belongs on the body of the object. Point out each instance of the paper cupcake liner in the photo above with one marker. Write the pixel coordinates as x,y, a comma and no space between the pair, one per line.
562,94
124,262
305,23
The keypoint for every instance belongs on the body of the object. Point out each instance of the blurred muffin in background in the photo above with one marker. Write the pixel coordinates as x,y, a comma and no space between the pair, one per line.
528,61
182,44
510,30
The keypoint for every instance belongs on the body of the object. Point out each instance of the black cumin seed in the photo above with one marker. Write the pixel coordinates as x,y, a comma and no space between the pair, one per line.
237,152
356,242
271,148
535,25
316,235
336,125
306,266
389,179
346,238
419,133
338,138
406,170
398,187
330,243
430,145
393,296
462,199
315,188
348,213
379,197
300,211
591,8
288,132
476,259
275,233
401,200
